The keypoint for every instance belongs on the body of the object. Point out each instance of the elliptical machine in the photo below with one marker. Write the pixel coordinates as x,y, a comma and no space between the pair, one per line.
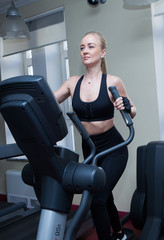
35,119
146,211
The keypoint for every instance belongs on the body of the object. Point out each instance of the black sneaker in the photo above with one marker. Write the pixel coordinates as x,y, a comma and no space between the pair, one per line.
119,236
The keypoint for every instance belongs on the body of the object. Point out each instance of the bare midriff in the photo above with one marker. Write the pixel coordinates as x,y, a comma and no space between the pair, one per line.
98,127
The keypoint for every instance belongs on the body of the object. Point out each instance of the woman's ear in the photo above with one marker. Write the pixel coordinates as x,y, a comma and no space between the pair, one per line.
103,53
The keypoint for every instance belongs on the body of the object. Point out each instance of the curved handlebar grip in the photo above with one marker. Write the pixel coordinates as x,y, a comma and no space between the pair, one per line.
78,125
114,92
125,115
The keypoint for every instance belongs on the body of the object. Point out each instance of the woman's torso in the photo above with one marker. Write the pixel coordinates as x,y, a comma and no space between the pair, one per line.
94,95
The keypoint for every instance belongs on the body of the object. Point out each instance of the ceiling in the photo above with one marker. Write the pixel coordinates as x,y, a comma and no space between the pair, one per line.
5,4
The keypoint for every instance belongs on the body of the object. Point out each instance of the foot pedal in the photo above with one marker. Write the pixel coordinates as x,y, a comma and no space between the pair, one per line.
129,233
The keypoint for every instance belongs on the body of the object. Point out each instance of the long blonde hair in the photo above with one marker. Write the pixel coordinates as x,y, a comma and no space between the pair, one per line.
103,46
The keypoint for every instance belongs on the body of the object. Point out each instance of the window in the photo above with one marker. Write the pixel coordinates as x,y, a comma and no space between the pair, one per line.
28,68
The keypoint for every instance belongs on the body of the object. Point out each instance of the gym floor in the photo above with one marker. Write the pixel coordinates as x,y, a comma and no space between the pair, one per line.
91,235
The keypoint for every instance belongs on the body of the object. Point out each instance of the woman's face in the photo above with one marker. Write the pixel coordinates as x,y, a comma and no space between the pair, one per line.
91,51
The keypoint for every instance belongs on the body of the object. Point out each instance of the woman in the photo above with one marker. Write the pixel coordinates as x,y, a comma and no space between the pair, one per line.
94,105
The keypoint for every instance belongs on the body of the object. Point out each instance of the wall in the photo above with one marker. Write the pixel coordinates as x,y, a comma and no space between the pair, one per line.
2,133
158,33
130,56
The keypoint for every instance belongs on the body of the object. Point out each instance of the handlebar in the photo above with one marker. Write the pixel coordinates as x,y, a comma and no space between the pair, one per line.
84,134
129,124
78,125
125,115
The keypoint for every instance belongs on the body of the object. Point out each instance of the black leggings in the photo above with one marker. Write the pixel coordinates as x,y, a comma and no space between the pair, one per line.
103,209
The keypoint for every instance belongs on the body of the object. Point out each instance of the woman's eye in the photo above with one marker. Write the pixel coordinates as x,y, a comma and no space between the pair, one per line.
91,46
81,48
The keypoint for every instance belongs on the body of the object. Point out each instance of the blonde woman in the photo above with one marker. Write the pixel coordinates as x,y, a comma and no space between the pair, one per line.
94,105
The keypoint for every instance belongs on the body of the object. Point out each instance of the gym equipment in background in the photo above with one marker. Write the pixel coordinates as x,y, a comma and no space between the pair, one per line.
147,212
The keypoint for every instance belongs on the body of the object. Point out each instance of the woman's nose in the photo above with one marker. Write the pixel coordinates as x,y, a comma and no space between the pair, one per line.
85,51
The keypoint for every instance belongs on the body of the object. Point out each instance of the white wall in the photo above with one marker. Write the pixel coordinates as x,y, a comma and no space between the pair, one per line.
12,66
53,66
158,7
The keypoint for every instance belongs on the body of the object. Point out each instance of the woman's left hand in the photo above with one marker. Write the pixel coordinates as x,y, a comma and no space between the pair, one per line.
123,103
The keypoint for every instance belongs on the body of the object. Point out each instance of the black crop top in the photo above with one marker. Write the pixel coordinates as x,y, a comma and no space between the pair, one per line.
100,109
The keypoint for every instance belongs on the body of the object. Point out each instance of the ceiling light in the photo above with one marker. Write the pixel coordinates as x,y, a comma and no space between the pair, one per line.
138,2
13,26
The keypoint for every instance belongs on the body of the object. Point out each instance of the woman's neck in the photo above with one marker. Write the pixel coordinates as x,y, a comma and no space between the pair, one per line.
93,74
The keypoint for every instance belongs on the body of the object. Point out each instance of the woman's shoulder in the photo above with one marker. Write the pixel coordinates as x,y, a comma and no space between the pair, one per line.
71,83
113,80
118,83
73,78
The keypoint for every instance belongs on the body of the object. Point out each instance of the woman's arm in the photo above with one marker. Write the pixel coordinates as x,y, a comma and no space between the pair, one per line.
63,92
117,82
66,89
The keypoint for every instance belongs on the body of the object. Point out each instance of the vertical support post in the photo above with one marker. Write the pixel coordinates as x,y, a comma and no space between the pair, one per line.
51,225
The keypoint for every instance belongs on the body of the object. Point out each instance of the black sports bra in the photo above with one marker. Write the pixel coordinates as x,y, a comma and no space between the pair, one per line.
100,109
